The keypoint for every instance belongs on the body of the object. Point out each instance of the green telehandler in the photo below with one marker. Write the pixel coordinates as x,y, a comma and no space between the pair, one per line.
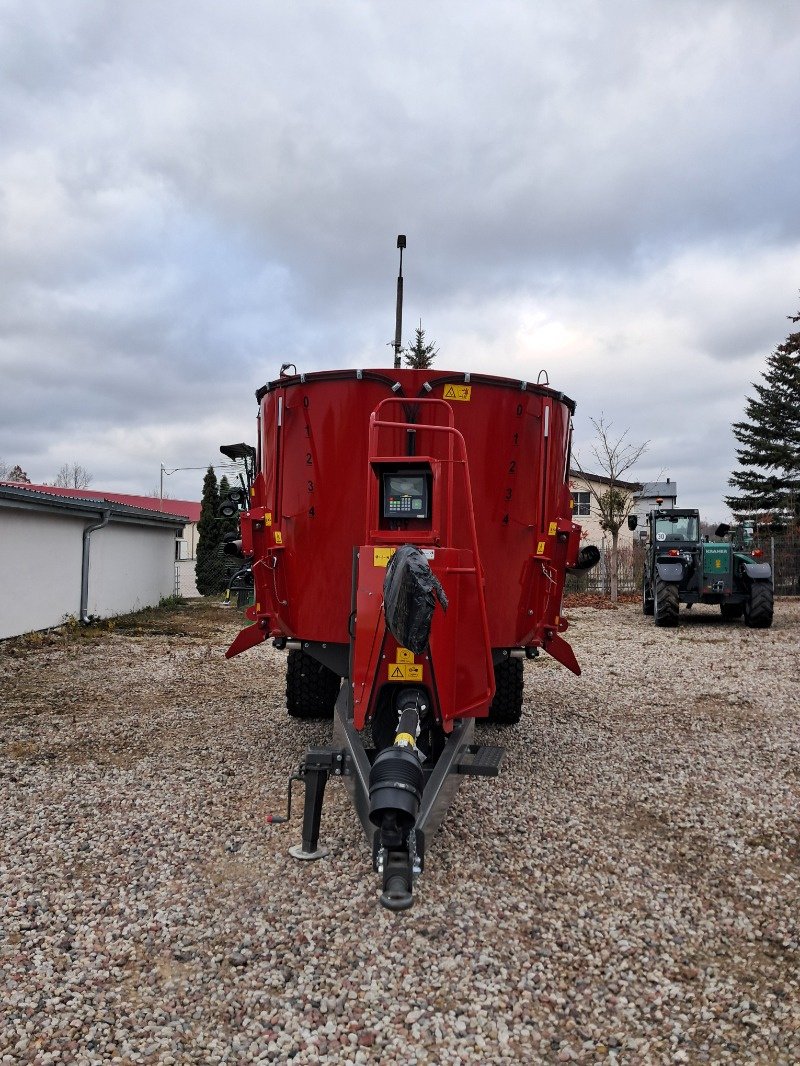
683,567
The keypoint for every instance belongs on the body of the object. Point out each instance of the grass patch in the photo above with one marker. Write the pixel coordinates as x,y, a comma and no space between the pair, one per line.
176,617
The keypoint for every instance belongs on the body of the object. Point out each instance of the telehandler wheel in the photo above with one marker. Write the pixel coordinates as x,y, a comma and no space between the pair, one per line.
506,707
758,608
647,600
311,688
666,603
731,611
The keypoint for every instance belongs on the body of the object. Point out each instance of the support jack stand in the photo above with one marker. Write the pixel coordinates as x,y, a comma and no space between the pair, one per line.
314,771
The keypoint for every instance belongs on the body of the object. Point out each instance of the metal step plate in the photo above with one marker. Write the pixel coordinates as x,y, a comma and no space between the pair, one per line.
481,760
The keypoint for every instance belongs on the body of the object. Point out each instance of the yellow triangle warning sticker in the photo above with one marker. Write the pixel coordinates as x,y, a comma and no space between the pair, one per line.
404,672
458,392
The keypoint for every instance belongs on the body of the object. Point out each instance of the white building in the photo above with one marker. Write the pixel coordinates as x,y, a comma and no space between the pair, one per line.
189,510
63,557
584,488
647,499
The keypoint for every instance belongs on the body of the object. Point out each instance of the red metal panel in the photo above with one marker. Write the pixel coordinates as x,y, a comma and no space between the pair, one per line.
313,487
457,668
459,655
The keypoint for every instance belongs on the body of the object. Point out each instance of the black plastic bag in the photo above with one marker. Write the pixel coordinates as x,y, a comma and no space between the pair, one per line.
410,592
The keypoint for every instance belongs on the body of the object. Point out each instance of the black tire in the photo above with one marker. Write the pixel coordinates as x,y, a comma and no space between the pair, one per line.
758,608
647,601
509,680
731,611
666,603
311,688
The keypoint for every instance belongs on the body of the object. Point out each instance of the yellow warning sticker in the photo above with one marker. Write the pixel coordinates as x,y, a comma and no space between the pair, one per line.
540,548
278,536
381,556
268,518
404,655
551,531
458,392
404,671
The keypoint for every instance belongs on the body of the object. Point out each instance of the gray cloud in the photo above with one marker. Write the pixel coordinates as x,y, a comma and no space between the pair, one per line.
191,194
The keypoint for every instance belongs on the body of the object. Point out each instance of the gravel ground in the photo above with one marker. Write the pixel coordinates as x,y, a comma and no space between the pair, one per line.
626,891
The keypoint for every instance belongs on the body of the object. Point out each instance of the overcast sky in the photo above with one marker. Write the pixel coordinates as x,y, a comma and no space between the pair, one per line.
192,193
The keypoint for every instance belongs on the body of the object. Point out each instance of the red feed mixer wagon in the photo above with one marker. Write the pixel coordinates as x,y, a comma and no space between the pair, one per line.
409,533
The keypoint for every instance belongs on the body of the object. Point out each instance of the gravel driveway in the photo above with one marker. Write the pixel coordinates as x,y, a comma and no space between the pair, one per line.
627,890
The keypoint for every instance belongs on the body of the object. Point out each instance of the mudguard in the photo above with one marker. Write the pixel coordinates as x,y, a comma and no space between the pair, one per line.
669,571
247,638
758,571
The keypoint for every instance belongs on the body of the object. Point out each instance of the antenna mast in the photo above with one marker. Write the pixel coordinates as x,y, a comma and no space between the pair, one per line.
398,321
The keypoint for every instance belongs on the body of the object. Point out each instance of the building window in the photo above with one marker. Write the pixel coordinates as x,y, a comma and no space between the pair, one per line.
581,503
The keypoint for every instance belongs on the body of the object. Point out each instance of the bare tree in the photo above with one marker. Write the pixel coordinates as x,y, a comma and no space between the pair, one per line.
615,457
73,476
4,470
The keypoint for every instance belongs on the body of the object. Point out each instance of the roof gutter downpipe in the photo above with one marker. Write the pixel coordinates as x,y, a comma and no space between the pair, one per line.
87,533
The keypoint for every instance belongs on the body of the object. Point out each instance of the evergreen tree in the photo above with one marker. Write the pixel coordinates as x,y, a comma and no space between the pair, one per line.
210,565
769,457
18,474
420,355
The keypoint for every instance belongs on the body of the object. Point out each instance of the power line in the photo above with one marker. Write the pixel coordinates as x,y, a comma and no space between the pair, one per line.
230,465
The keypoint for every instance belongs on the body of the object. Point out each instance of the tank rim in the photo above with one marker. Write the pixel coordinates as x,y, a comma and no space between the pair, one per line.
393,378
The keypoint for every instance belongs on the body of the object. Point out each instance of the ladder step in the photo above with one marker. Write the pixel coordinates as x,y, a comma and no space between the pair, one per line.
481,760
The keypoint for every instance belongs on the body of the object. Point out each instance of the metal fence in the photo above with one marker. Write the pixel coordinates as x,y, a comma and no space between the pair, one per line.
782,552
630,563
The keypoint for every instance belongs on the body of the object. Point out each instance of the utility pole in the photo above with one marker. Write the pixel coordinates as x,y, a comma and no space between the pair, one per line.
398,321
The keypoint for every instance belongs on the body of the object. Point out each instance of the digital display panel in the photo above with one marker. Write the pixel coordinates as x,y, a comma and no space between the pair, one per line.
405,496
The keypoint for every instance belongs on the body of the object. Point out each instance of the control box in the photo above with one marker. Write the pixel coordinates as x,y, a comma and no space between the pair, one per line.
405,495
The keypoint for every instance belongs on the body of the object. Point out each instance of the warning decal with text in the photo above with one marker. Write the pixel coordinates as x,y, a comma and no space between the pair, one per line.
381,556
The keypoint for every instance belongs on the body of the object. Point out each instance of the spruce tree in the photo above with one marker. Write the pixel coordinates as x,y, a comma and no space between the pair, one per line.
210,566
420,355
769,457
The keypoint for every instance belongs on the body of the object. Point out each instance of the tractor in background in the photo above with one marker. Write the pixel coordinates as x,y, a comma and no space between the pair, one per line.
683,567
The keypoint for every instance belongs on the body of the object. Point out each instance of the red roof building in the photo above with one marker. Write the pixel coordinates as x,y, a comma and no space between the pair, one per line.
188,509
